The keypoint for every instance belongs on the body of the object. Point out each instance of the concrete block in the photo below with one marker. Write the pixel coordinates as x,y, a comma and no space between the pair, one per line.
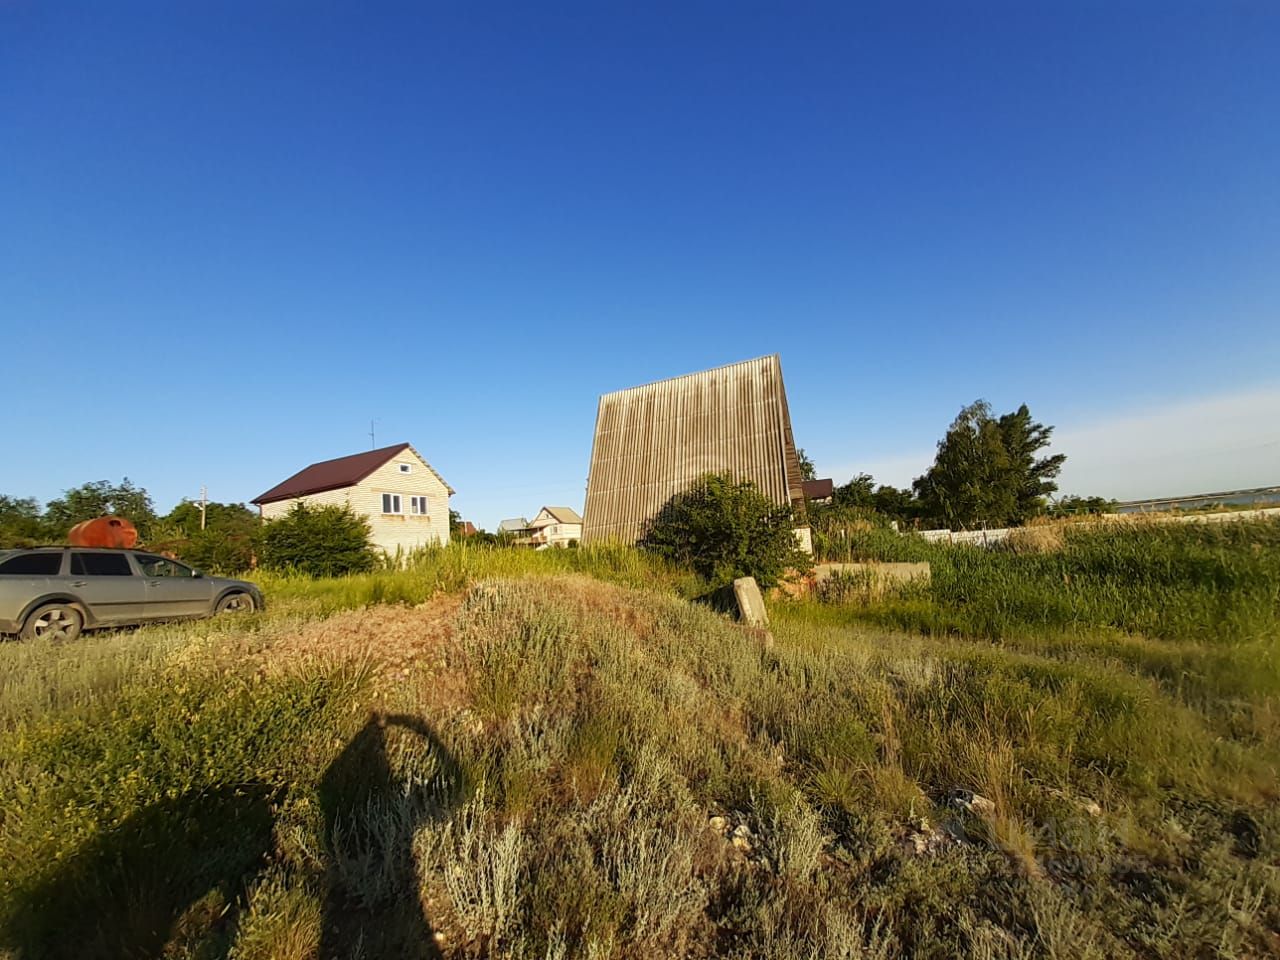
751,609
884,573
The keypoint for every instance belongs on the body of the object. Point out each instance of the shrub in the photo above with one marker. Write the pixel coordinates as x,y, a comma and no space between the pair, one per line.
318,541
724,528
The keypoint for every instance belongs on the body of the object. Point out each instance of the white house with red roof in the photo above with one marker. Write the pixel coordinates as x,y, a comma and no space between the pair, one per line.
405,501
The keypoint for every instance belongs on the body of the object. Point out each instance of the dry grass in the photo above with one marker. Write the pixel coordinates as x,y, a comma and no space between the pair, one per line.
531,767
1047,537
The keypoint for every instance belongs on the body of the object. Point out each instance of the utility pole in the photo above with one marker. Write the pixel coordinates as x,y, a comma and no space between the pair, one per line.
204,503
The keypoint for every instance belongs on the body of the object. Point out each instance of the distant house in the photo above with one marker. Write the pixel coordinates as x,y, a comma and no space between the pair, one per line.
818,491
555,527
516,526
405,501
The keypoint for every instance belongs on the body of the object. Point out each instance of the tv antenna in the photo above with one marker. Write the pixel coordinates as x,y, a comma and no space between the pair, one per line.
372,439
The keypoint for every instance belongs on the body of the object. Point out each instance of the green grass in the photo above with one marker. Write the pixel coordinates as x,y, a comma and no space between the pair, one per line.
451,568
543,784
1201,582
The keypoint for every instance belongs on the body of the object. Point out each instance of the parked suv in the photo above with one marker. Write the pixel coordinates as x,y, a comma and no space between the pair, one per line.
55,592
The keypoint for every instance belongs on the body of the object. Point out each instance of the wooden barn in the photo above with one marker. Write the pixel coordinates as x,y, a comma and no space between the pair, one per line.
654,441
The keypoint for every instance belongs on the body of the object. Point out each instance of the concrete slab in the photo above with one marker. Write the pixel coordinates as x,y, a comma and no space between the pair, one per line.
751,609
884,572
879,577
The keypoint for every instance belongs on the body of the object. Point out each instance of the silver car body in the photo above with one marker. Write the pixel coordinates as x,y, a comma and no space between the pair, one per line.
109,587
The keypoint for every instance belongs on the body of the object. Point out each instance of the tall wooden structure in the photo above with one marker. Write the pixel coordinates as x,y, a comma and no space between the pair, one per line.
654,441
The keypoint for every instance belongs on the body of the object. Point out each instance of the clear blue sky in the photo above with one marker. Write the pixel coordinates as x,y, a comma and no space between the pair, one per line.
231,233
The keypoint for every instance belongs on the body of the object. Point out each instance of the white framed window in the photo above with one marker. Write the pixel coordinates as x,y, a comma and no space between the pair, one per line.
391,503
418,506
406,468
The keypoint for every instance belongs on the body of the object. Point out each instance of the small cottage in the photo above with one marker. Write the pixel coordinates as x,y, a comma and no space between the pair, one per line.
405,501
555,527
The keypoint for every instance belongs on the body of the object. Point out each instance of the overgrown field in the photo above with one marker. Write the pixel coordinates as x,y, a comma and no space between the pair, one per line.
503,759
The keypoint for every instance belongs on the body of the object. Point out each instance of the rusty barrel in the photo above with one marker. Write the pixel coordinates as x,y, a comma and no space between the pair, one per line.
103,532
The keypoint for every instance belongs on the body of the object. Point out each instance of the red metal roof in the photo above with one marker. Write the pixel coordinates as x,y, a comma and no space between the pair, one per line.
817,489
331,474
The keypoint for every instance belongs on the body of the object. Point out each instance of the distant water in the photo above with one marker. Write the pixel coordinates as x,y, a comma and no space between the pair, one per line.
1266,497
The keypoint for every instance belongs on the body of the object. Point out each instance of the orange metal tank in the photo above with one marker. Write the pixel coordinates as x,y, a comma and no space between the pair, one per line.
103,532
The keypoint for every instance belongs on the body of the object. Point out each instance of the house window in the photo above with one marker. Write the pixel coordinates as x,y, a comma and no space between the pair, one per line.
418,506
391,503
406,468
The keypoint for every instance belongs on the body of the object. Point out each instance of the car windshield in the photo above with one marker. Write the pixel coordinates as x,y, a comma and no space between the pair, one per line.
152,566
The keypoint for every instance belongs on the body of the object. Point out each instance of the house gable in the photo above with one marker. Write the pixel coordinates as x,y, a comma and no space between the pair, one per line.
403,498
549,515
339,473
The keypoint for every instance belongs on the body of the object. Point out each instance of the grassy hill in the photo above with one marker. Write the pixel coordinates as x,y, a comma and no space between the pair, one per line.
501,754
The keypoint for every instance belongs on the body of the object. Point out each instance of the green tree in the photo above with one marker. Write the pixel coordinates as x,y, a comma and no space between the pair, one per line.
807,470
99,499
858,492
986,469
228,543
1033,477
318,541
1074,506
20,523
724,528
895,503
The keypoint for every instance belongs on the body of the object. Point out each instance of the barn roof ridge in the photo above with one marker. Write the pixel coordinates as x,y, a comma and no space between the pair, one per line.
694,373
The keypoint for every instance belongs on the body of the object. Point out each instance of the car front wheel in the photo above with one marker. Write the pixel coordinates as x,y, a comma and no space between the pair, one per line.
56,622
235,603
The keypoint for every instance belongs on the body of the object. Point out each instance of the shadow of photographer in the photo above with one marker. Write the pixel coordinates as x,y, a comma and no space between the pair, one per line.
373,906
176,873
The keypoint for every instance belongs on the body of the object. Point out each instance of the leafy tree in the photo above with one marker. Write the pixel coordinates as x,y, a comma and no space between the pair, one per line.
1072,506
724,528
986,470
807,470
897,504
20,523
858,492
456,524
99,499
227,544
1033,477
318,541
862,497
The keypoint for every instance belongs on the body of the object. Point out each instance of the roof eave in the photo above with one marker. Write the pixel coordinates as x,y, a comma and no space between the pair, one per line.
298,495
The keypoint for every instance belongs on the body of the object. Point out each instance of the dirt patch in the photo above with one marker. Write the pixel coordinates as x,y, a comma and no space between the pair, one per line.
615,603
389,641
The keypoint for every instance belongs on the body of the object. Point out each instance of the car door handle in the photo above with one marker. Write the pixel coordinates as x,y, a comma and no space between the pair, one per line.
79,583
153,583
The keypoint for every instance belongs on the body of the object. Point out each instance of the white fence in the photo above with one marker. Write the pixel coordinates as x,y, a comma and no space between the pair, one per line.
985,538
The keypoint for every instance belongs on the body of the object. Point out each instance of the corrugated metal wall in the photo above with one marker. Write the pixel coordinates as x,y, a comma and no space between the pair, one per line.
653,441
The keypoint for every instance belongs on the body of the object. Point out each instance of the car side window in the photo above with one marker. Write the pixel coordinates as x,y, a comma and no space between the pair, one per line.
100,565
46,564
161,566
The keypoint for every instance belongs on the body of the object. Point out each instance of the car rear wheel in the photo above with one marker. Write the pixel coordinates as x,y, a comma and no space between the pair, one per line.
235,603
56,622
